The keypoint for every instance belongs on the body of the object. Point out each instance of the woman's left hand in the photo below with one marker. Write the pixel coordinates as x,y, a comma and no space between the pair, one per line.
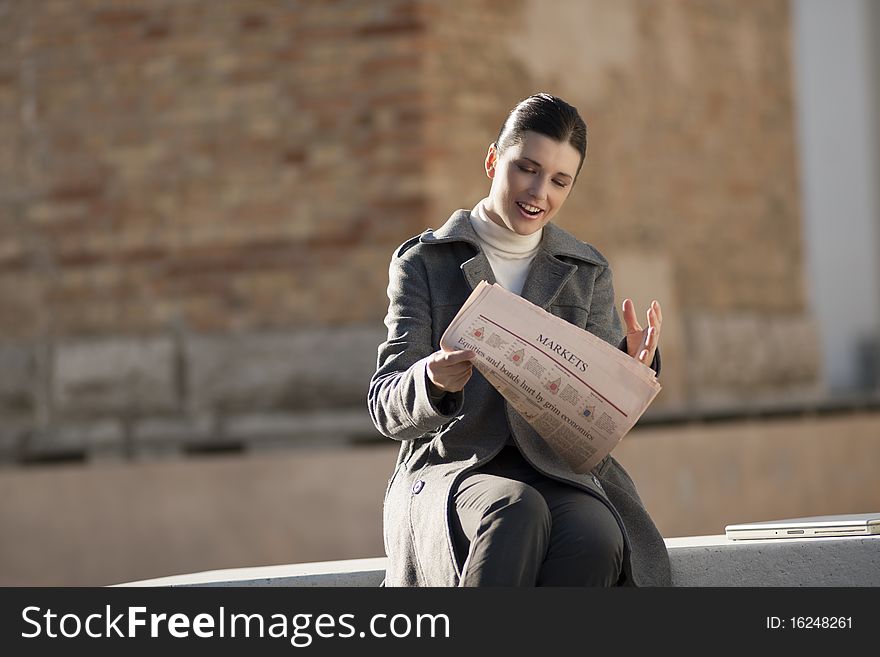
641,343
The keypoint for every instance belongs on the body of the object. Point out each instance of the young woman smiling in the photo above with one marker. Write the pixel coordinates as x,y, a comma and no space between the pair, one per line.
477,497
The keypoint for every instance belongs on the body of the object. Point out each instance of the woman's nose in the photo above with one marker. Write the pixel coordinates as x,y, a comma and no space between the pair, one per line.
539,188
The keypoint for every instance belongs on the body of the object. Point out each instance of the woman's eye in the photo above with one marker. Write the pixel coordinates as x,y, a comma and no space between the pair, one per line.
560,183
525,169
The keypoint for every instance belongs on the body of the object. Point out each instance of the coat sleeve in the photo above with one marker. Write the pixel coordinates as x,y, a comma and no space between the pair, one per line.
399,399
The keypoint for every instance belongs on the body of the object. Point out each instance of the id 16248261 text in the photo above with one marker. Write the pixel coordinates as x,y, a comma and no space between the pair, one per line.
809,623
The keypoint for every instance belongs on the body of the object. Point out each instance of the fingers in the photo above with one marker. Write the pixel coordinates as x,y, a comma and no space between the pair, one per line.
649,346
655,306
451,370
458,382
450,364
655,319
654,315
642,343
652,333
446,358
629,317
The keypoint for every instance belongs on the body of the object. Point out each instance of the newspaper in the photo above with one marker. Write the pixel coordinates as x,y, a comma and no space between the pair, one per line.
581,394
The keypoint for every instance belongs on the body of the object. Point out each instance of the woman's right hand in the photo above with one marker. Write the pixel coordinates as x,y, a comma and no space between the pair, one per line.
449,371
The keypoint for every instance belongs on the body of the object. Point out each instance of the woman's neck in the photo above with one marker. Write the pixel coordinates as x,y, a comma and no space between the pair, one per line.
510,255
502,238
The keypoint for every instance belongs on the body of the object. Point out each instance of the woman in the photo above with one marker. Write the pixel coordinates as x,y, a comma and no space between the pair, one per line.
477,498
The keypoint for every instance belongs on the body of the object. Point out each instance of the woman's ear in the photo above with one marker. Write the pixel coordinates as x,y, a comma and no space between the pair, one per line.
491,160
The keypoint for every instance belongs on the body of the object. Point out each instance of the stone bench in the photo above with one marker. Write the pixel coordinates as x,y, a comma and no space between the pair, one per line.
696,561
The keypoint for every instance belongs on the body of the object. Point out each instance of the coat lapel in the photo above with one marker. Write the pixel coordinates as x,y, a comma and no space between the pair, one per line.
459,229
478,269
545,279
547,274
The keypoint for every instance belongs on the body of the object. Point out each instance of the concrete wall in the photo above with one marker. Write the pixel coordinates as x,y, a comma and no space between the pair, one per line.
108,523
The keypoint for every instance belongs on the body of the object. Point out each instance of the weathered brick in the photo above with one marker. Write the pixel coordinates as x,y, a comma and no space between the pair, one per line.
119,375
313,368
19,380
238,168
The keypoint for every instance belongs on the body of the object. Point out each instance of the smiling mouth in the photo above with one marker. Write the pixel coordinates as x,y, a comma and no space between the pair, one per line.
529,210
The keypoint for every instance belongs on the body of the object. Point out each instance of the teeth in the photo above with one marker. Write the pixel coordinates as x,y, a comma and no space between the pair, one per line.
529,208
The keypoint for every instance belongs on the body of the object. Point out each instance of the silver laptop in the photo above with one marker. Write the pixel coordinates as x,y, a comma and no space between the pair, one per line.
855,524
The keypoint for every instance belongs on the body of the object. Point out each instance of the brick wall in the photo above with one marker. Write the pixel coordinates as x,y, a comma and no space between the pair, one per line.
222,165
178,173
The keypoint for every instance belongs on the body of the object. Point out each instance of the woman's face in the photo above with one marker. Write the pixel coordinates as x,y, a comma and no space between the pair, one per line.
530,181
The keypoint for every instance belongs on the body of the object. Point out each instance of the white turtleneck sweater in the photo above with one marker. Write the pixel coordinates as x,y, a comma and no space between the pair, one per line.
509,253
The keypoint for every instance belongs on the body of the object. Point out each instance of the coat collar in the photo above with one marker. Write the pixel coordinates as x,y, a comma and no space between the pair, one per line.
547,273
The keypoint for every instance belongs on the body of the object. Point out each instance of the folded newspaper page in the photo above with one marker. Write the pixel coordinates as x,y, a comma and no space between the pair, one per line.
581,394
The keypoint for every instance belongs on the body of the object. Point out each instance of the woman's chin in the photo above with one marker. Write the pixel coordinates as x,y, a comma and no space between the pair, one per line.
527,228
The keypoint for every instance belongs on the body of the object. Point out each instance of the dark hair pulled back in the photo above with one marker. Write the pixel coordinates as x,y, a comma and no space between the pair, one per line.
547,115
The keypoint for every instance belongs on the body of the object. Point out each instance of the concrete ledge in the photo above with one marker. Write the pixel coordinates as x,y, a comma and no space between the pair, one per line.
718,561
696,561
346,572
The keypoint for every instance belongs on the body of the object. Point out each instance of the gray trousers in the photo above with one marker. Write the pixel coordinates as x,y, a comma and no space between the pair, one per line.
513,526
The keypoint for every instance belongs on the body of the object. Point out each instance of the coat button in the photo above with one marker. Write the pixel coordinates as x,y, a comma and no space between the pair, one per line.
596,481
418,486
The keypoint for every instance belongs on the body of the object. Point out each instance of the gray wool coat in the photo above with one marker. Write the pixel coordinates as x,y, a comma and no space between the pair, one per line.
430,277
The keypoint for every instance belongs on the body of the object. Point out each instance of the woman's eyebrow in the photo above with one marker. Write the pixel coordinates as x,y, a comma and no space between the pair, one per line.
538,164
